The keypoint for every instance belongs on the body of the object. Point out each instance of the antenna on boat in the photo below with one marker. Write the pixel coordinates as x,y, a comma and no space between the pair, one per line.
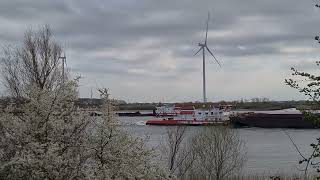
204,47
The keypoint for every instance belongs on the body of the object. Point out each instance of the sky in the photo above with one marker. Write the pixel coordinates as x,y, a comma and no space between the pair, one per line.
143,50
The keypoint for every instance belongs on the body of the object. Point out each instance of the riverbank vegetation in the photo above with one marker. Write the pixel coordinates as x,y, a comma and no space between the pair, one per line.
50,138
236,105
214,153
309,85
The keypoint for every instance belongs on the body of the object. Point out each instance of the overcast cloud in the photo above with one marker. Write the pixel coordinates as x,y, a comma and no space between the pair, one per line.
142,50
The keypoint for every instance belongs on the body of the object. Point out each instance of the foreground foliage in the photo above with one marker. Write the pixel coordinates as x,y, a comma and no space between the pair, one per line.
213,153
52,139
309,85
43,134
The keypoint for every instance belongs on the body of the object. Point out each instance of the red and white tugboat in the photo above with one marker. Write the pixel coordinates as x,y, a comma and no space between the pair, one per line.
191,116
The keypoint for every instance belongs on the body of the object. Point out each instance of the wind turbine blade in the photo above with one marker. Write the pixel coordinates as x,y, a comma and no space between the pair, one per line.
213,56
198,51
205,41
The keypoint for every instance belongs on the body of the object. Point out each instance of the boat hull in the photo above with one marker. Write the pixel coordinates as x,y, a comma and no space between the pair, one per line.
135,114
263,120
185,123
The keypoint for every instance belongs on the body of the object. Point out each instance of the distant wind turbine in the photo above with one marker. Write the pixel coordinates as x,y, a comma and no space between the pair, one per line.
204,47
64,63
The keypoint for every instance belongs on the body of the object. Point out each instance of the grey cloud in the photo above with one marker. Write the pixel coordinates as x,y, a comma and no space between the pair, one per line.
248,50
254,32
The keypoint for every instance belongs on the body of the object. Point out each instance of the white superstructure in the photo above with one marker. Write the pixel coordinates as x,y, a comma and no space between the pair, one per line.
190,113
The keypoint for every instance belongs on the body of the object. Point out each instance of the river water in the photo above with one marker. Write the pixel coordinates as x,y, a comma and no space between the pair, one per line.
269,151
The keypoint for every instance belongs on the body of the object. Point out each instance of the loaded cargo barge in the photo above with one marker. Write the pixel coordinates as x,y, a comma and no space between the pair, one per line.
291,118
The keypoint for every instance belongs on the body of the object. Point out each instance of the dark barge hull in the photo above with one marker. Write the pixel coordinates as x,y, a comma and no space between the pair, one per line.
264,120
133,114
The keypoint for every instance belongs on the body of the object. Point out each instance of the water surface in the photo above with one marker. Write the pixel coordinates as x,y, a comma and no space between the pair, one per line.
268,150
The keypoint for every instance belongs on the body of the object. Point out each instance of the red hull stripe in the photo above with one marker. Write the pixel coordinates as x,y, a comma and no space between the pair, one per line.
186,112
182,122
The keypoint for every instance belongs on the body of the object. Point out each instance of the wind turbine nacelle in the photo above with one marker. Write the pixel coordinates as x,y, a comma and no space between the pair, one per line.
200,44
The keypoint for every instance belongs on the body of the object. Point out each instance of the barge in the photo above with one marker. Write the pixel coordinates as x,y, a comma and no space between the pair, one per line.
276,119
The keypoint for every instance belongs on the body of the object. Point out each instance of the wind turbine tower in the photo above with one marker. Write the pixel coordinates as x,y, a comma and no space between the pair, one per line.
204,47
64,63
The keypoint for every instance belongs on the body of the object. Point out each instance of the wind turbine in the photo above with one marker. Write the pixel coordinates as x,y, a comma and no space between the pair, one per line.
204,47
64,63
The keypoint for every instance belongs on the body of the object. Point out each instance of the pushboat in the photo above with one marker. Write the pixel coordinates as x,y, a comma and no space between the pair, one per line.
189,115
